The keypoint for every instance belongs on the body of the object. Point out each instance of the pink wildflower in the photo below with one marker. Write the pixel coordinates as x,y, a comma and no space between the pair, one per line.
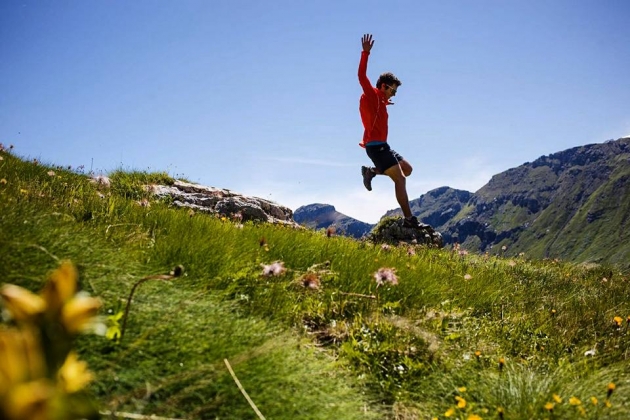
311,281
386,275
273,269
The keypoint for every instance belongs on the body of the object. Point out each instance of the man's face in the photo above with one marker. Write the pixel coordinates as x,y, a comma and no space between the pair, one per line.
389,90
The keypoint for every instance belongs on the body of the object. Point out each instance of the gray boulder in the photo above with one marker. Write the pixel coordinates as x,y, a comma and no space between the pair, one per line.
224,202
390,230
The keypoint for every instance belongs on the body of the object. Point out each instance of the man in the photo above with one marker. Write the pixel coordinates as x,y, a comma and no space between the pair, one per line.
373,108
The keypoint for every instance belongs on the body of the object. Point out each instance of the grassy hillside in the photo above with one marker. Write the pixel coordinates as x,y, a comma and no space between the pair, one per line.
443,334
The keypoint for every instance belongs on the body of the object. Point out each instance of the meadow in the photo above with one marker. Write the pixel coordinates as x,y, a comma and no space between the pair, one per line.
313,325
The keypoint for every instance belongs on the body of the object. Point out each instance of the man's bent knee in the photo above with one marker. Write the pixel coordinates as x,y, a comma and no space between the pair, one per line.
406,167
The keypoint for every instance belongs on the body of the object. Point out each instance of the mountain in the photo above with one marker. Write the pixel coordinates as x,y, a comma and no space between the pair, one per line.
437,206
323,216
573,205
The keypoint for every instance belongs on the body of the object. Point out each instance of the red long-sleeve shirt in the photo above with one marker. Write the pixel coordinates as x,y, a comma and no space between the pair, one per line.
372,106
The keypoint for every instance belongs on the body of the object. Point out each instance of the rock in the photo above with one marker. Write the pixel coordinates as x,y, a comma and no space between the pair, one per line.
391,230
224,202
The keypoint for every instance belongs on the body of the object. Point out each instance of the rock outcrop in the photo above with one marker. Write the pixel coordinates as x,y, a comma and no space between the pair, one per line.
224,202
391,230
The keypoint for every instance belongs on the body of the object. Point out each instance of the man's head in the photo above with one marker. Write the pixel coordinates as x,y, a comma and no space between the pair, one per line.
388,84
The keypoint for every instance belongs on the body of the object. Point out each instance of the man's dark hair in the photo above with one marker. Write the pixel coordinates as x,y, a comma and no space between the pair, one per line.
388,79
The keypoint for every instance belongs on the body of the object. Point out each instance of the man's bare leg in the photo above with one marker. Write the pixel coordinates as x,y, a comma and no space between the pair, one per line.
400,187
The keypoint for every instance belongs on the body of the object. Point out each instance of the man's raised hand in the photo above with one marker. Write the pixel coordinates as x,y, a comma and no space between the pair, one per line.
367,42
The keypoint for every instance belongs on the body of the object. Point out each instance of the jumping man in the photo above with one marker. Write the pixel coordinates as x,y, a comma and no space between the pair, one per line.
373,108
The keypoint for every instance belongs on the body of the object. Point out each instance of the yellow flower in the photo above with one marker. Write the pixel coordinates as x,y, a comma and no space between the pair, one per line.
574,401
20,357
617,320
594,400
557,398
474,417
73,375
611,389
607,403
449,412
21,304
29,400
462,389
477,354
79,313
549,406
61,286
582,410
461,403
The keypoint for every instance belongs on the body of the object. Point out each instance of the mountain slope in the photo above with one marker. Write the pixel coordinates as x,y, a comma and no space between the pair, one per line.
573,204
437,206
323,216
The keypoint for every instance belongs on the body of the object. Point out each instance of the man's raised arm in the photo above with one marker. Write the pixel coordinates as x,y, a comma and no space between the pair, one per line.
367,43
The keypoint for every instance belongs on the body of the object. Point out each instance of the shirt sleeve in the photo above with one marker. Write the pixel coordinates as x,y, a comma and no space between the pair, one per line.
363,79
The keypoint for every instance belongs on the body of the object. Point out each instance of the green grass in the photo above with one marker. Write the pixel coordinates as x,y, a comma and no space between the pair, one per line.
348,349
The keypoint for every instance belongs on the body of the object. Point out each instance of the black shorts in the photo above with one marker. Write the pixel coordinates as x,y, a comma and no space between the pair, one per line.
383,156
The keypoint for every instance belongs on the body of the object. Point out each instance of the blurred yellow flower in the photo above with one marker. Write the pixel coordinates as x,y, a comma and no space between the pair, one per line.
30,401
557,398
617,320
73,375
607,403
449,412
610,389
461,403
549,406
574,401
61,286
462,389
78,314
21,304
594,400
20,358
474,417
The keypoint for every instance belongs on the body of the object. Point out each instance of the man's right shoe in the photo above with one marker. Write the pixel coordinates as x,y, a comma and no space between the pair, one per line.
368,174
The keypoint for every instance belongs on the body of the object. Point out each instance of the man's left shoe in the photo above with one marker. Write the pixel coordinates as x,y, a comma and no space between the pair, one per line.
411,222
368,174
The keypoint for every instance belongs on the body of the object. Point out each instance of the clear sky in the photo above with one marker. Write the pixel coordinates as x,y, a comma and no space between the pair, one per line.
261,97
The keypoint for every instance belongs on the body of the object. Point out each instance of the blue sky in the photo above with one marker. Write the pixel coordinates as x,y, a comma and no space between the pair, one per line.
261,97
